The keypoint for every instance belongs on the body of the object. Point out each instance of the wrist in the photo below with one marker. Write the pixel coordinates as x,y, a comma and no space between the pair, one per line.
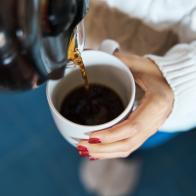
165,89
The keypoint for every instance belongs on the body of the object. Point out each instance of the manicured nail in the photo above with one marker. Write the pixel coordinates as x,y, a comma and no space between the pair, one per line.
93,159
84,153
82,148
94,141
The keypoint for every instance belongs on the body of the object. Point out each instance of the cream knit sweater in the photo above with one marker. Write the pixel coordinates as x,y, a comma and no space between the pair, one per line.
179,64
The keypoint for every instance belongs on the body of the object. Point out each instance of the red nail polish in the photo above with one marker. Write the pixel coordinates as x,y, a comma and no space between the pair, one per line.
82,148
94,141
93,159
84,153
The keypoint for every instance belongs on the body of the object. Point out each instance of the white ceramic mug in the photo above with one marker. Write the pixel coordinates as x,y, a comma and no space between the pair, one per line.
102,68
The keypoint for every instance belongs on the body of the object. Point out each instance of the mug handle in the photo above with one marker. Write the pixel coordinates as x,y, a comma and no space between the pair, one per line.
109,46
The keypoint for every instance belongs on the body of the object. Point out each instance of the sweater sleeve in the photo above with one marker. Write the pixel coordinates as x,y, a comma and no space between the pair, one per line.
161,14
179,68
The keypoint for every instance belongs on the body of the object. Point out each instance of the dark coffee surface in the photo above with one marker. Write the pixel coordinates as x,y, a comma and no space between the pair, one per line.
97,105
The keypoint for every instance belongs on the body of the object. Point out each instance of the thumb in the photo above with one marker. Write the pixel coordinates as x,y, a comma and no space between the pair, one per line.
134,62
137,67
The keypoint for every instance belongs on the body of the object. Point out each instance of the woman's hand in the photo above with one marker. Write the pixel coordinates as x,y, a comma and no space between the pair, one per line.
123,139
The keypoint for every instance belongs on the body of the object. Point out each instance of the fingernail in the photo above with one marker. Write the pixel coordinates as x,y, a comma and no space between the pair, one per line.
93,159
84,153
94,141
82,148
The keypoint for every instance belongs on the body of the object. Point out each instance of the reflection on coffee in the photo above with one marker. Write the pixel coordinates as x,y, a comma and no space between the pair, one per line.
97,105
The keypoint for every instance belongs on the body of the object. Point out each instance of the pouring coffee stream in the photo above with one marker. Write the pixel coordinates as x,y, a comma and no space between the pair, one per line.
92,103
74,55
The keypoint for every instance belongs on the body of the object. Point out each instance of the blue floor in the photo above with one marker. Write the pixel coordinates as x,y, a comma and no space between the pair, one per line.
36,161
34,158
170,169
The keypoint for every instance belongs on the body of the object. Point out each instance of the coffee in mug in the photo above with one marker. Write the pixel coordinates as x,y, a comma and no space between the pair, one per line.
96,105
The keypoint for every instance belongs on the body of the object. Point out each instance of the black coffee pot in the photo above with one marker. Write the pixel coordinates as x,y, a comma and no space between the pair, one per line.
34,38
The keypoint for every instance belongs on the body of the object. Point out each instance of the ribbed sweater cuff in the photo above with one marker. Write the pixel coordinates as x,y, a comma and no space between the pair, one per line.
179,70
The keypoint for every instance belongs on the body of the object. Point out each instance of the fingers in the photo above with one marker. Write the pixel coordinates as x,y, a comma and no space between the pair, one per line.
123,139
148,116
119,132
131,60
137,67
146,73
121,149
121,146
